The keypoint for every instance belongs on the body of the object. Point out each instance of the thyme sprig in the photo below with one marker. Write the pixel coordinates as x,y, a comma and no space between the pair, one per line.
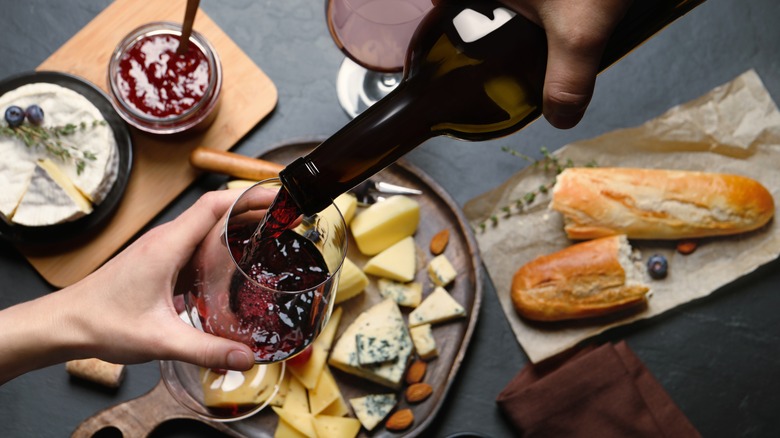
549,164
52,139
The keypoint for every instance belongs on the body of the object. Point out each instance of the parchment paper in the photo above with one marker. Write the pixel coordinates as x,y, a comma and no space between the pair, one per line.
735,128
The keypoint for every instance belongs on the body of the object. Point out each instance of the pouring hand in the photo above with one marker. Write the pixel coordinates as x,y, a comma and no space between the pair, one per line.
577,33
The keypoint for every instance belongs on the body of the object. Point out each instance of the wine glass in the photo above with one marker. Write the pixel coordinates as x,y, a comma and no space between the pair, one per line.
275,295
374,36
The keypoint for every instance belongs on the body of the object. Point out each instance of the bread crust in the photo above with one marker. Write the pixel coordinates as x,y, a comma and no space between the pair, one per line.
583,280
658,204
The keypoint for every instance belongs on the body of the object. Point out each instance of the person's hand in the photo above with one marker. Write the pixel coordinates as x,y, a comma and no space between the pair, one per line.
127,305
577,32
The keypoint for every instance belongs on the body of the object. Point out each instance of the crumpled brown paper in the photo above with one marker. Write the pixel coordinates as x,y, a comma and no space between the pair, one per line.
735,128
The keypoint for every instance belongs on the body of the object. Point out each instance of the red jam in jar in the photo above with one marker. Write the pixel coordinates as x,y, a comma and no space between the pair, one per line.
159,91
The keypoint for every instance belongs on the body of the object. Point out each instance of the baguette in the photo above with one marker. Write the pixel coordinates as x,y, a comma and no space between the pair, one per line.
587,279
658,204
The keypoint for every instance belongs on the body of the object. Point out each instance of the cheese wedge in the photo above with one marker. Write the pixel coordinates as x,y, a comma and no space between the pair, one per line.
347,205
324,393
345,356
424,342
405,294
336,427
309,372
398,262
441,271
377,344
50,199
297,399
437,307
372,409
285,430
338,408
351,282
385,223
301,421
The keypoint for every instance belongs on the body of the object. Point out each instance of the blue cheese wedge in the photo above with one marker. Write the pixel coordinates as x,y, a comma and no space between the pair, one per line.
377,344
344,355
441,271
424,342
405,294
437,307
372,409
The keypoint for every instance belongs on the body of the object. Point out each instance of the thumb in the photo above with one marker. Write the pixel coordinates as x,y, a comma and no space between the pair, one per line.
196,347
569,83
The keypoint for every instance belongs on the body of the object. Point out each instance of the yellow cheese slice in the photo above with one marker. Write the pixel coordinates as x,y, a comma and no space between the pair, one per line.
284,430
297,399
336,427
338,408
398,262
301,421
385,223
309,372
326,392
351,282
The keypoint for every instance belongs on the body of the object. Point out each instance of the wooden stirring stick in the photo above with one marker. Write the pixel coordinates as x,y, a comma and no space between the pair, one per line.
186,28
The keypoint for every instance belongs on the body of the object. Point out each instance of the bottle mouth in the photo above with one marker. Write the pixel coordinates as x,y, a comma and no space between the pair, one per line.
190,117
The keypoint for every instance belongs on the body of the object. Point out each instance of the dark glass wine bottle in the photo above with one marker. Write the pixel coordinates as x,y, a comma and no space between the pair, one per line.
474,71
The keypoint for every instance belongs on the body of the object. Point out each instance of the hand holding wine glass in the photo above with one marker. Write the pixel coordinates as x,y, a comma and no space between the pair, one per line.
264,279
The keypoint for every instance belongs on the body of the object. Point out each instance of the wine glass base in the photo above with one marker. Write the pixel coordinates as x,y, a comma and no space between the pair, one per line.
358,88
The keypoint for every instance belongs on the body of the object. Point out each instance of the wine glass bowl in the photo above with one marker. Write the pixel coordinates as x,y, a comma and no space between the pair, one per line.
222,395
273,294
374,36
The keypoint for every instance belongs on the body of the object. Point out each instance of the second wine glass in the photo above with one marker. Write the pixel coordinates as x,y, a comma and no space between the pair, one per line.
374,35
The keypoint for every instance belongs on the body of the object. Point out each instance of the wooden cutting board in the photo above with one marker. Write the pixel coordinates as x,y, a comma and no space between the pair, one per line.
161,169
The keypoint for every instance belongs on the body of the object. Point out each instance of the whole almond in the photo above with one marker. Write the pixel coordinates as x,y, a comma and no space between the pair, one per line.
416,372
686,247
400,420
439,242
418,392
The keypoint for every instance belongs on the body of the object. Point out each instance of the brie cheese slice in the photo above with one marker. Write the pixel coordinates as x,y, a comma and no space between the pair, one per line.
47,202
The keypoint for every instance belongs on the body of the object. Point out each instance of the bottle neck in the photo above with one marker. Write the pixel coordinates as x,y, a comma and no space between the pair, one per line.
376,138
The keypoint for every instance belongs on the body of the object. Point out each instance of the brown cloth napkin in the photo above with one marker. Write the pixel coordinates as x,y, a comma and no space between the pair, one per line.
601,391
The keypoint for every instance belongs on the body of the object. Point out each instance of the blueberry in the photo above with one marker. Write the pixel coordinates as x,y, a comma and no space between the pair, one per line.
14,116
657,266
34,114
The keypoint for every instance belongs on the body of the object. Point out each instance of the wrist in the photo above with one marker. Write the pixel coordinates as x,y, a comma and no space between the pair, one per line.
39,333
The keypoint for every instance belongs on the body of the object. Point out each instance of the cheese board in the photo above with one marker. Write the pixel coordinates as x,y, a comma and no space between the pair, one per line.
438,211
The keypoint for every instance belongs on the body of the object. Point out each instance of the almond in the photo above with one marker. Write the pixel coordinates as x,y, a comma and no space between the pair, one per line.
400,420
686,247
418,392
439,242
416,372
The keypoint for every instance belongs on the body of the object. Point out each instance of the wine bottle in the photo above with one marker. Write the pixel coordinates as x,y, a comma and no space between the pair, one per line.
474,71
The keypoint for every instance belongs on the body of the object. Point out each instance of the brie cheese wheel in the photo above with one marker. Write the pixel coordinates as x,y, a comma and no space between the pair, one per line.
18,162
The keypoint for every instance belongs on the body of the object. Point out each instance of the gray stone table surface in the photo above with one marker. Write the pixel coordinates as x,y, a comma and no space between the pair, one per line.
719,357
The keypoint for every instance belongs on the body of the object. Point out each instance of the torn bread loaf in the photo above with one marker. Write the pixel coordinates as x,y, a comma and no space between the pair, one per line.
588,279
658,204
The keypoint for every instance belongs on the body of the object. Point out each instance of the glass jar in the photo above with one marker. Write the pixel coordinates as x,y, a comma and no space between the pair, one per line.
158,91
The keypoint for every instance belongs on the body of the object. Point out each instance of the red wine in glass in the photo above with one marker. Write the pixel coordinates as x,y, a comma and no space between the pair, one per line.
374,35
269,286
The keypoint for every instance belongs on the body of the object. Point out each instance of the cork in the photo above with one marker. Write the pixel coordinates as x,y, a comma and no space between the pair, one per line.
96,370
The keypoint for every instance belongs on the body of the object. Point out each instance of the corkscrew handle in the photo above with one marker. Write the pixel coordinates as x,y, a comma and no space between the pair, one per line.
236,165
